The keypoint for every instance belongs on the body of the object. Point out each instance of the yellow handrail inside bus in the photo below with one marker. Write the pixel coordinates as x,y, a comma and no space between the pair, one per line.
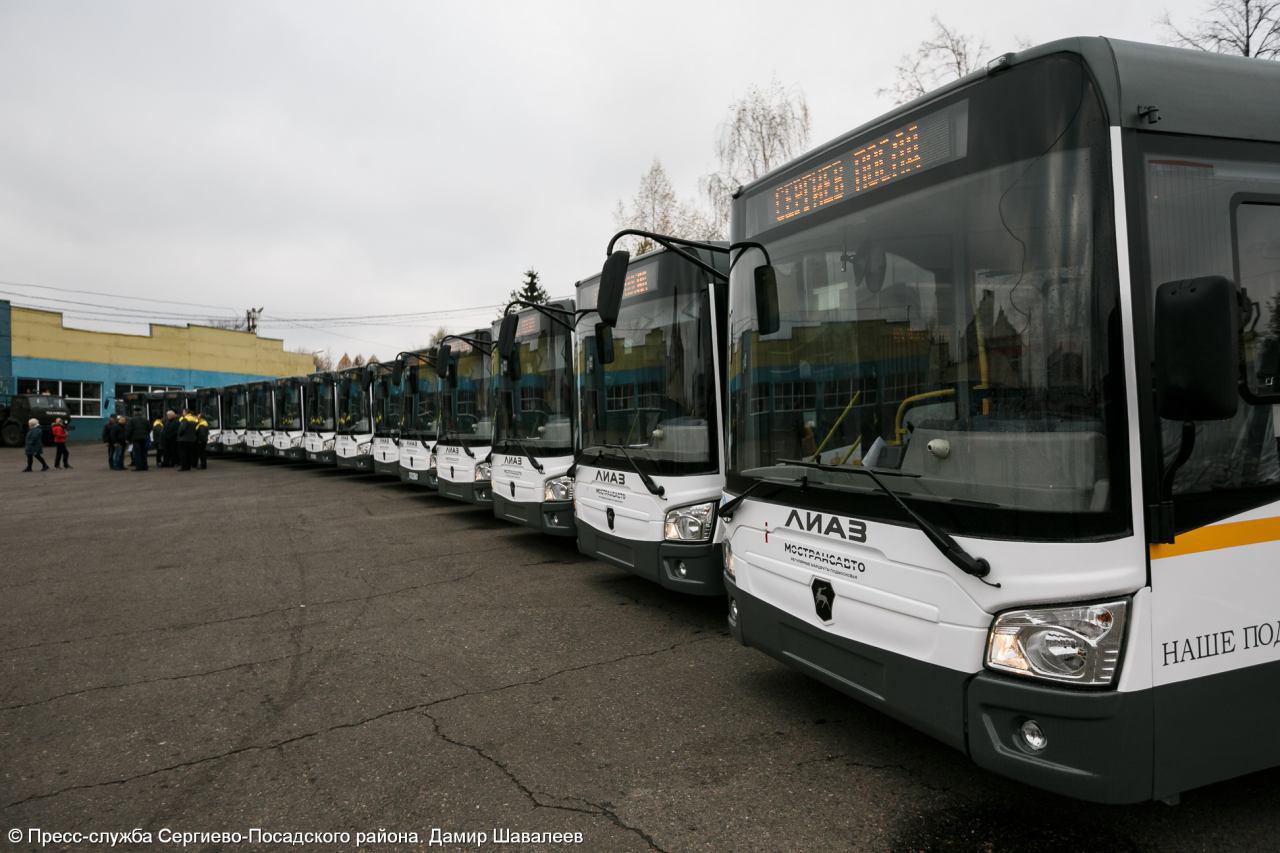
836,425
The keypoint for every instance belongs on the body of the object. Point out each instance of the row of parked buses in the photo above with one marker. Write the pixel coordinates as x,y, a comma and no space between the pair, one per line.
973,420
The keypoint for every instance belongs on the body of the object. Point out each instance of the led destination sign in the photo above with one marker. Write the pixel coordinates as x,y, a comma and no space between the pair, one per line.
930,141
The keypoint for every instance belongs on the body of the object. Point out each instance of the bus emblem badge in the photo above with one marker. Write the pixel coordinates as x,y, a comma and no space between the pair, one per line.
824,597
608,514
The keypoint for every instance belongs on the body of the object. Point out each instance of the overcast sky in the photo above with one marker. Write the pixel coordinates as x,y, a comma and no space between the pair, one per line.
326,159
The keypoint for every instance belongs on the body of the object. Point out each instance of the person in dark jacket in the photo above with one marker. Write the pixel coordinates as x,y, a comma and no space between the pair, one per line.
137,431
186,439
116,436
61,458
169,438
35,445
106,437
202,443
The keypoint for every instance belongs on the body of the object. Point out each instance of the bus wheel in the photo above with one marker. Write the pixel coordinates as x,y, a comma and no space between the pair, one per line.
11,434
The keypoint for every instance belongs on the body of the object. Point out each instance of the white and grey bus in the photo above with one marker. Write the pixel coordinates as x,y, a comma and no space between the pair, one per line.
290,418
388,417
418,432
466,421
321,404
208,403
534,426
649,469
261,418
353,444
235,419
1002,417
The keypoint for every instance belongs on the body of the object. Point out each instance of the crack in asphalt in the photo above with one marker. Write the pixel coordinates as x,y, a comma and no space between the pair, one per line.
184,626
535,796
157,680
420,706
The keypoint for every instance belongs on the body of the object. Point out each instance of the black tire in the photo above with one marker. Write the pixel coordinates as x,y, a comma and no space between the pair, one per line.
11,434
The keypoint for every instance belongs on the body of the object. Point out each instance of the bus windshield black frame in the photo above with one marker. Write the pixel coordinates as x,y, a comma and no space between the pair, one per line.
388,403
658,395
288,405
536,412
353,416
464,396
320,405
259,409
235,408
421,401
954,322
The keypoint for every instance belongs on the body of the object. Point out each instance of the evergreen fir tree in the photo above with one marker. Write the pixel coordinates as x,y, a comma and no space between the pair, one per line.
530,290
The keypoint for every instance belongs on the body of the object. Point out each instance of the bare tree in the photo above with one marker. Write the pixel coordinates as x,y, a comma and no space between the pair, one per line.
344,362
946,55
323,359
656,207
766,127
436,337
358,361
1239,27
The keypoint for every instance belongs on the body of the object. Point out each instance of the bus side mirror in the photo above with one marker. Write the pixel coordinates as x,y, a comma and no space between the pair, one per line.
507,335
1197,349
442,360
604,343
613,278
768,318
511,364
397,372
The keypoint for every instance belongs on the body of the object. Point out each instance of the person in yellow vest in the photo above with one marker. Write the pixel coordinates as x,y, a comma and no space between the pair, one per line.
157,434
186,439
202,442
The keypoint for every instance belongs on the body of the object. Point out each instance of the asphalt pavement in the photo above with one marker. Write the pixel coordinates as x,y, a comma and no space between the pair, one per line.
294,649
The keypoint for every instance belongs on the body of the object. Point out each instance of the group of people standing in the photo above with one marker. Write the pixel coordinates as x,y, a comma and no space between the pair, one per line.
35,445
180,441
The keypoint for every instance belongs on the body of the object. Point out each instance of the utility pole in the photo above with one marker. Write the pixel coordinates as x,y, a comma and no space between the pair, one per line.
251,316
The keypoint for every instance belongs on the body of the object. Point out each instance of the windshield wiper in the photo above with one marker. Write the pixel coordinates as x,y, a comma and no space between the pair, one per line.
950,548
725,510
537,466
444,439
654,488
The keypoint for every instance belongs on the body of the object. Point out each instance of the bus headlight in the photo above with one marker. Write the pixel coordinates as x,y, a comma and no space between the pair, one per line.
558,489
364,449
483,470
690,523
327,445
1077,644
728,560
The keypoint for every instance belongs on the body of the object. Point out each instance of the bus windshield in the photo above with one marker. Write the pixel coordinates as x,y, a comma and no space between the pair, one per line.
388,404
353,404
536,411
260,416
958,328
208,406
320,405
419,402
464,404
234,404
658,395
288,406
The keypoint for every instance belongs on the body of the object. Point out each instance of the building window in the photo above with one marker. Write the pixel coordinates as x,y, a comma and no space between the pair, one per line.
84,399
123,388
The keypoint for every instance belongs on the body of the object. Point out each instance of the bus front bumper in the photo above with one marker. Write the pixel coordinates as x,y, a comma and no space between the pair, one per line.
1099,742
478,492
322,457
391,469
295,454
694,569
359,462
554,518
426,479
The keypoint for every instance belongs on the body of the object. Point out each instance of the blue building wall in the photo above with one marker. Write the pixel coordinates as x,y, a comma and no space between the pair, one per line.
90,429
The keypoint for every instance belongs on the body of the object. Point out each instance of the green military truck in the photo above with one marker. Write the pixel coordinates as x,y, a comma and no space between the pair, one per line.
17,409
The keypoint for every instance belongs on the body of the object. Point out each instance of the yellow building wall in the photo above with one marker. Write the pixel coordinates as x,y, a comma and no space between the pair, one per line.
40,334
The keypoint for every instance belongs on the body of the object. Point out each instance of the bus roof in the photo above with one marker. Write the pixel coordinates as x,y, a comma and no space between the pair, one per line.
1185,86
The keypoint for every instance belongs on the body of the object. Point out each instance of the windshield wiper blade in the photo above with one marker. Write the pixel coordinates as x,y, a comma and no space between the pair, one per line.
950,548
444,439
654,488
537,466
725,510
